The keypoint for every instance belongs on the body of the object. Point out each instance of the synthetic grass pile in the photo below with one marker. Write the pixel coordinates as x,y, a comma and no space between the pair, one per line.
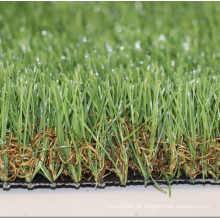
100,87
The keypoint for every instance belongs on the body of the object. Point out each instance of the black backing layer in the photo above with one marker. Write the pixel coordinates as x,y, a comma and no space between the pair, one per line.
111,179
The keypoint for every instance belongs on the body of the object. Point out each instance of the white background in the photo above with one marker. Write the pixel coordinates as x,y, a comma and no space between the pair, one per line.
82,202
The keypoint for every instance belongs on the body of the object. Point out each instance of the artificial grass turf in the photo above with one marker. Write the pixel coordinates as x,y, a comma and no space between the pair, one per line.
99,87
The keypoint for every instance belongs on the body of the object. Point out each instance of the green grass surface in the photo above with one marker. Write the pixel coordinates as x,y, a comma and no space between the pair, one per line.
93,87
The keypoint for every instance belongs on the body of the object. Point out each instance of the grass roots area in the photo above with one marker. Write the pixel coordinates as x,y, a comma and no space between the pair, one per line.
100,87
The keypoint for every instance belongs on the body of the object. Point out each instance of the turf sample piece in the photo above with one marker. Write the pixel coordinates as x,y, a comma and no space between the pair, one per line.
91,88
